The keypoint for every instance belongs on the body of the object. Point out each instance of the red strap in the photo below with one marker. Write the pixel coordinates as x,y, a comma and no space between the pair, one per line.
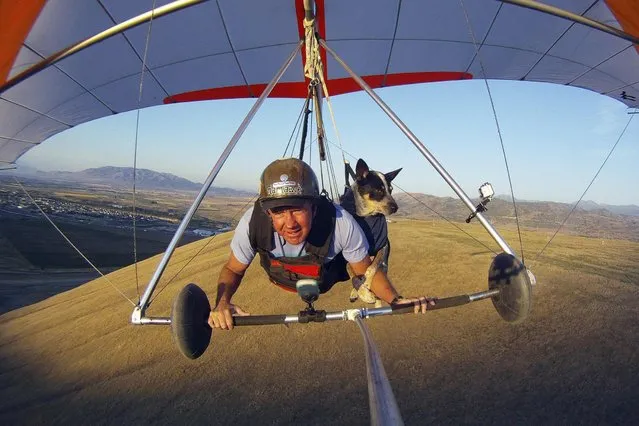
308,270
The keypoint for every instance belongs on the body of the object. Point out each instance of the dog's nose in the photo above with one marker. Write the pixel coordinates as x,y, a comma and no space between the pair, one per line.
393,208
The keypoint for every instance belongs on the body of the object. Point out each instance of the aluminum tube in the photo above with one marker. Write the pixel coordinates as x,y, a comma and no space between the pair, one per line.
420,146
116,29
336,316
381,400
561,13
309,9
484,295
376,312
155,321
209,180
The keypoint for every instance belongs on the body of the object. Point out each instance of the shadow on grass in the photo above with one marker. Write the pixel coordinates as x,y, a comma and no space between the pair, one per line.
482,253
465,368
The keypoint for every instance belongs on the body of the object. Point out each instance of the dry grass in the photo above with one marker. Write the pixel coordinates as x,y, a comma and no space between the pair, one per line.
74,358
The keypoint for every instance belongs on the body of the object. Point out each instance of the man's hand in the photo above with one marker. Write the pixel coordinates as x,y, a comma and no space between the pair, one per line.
420,303
221,316
230,278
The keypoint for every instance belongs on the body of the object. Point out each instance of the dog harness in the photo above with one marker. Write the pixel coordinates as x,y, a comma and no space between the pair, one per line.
284,271
374,226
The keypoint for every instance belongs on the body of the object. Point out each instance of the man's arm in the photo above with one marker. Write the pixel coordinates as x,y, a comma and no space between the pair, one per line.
383,288
380,285
227,284
229,280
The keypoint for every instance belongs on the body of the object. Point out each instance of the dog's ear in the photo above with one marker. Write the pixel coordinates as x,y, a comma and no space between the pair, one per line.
361,169
391,175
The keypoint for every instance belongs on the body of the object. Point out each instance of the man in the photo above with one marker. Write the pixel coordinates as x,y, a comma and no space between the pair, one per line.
298,234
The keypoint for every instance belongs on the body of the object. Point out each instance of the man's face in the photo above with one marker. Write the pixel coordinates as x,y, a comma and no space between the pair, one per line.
292,223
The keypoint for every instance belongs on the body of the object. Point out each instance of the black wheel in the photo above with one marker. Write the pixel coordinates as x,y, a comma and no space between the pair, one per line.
509,275
189,326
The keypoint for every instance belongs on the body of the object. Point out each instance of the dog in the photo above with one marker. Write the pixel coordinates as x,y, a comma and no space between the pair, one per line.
369,200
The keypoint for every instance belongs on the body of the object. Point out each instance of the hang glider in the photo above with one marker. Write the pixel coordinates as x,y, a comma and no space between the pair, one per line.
65,63
231,49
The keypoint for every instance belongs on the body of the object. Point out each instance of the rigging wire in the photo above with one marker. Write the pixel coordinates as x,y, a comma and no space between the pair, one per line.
501,139
337,190
443,217
330,110
425,205
332,182
69,241
327,96
292,154
252,200
307,113
330,170
294,133
574,207
135,150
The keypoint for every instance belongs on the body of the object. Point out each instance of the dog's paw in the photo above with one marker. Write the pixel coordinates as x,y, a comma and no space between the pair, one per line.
354,296
366,295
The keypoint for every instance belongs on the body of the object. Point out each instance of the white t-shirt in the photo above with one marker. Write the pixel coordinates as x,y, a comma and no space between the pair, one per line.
348,238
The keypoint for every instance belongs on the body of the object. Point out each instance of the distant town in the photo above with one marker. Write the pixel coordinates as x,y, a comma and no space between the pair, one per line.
15,202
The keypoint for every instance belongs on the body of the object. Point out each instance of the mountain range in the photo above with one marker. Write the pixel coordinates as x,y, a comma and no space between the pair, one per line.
628,210
586,205
590,218
123,177
540,215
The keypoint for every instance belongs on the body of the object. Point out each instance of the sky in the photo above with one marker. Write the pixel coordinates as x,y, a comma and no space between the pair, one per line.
555,139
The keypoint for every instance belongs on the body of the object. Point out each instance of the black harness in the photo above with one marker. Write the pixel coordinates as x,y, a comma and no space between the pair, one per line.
285,271
374,226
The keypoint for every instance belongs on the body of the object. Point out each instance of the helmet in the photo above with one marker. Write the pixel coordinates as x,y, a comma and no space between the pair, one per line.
287,182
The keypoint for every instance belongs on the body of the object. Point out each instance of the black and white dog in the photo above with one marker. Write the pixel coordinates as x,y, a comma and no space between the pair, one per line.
369,201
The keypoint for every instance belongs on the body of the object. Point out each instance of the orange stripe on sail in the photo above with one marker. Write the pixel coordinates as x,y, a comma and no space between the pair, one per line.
16,19
300,89
627,14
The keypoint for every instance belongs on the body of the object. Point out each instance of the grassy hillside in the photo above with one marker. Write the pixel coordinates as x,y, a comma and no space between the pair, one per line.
75,359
